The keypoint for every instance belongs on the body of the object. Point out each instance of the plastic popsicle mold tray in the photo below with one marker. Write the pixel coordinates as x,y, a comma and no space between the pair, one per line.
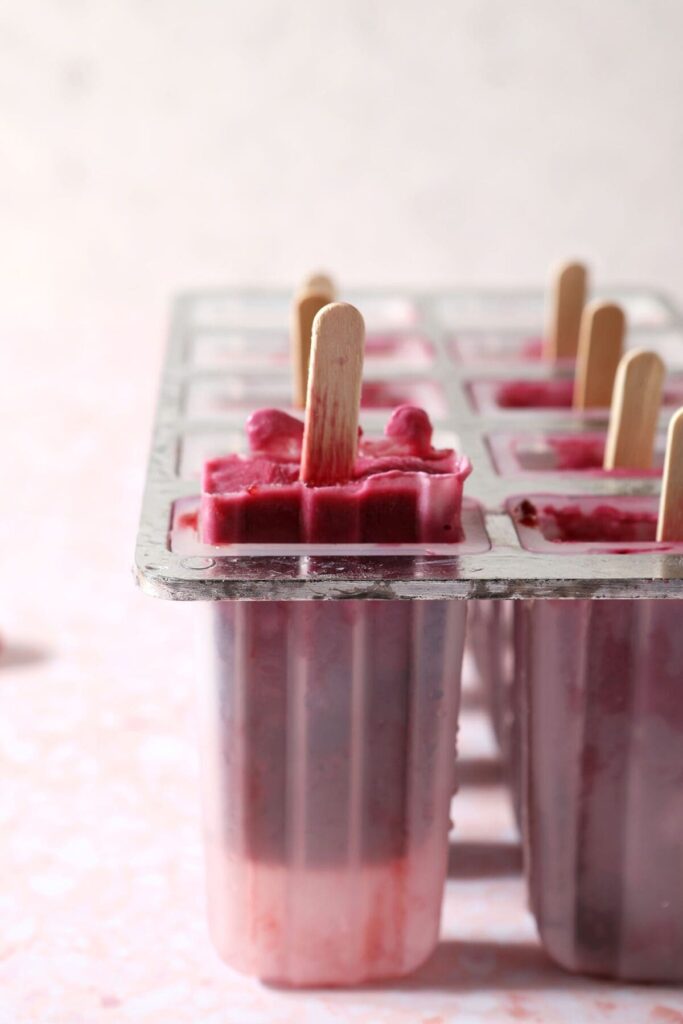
204,401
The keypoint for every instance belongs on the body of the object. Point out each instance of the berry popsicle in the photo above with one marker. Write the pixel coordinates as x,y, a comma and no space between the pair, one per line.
401,488
602,750
328,728
602,745
633,386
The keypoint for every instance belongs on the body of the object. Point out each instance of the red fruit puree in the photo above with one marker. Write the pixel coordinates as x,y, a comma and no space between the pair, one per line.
603,524
536,394
577,452
403,490
557,394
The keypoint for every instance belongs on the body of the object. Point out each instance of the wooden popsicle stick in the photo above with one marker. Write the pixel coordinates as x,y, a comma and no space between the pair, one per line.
670,524
307,304
634,412
330,441
567,302
321,282
601,341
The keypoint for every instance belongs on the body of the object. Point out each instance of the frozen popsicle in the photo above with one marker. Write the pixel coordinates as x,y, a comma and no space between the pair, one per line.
490,631
571,329
603,750
329,727
401,488
628,449
600,327
602,755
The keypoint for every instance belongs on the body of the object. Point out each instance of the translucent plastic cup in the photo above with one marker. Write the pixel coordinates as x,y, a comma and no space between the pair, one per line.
328,740
601,685
603,728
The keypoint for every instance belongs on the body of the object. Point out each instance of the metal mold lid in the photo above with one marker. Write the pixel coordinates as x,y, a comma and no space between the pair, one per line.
491,563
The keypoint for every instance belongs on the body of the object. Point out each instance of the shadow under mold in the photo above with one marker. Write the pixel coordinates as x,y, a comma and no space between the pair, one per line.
478,771
461,966
21,655
471,860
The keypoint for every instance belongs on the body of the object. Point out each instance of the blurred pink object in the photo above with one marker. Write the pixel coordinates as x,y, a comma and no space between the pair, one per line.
328,743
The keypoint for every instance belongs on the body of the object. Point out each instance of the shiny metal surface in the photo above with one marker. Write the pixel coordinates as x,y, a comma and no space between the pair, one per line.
257,318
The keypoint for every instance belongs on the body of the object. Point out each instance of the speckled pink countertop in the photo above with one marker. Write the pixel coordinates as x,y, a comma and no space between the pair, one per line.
101,904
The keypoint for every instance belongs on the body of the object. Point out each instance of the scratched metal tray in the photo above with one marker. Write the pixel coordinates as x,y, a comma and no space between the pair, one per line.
228,354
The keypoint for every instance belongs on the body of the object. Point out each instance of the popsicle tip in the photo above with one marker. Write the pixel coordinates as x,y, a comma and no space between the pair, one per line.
604,308
644,357
343,318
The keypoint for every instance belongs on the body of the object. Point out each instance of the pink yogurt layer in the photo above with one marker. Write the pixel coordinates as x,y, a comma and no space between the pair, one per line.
403,490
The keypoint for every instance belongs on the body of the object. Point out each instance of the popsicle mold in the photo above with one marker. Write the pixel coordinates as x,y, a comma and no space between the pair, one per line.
358,898
602,729
328,744
601,686
328,730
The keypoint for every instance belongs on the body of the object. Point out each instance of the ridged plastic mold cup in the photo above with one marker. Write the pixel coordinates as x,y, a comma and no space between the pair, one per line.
601,687
603,727
328,736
